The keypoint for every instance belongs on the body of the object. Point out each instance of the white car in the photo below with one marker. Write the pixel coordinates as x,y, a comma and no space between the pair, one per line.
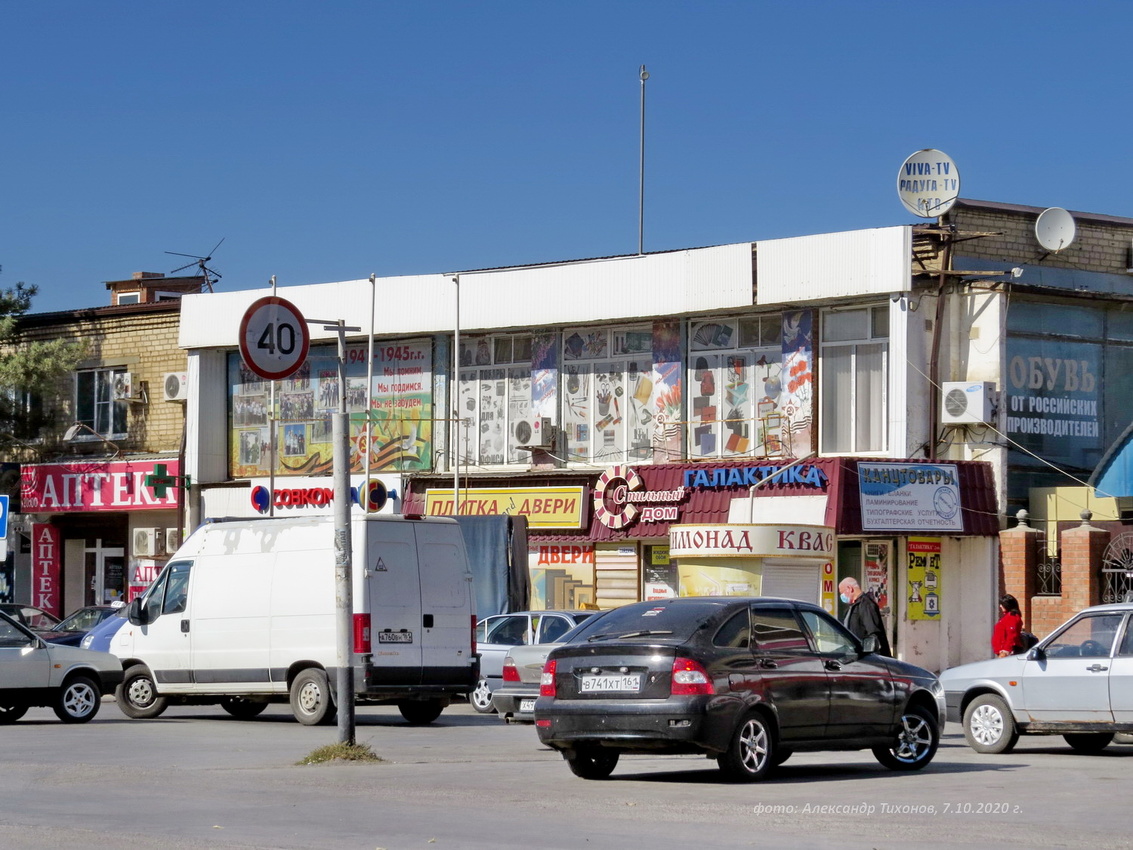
1077,682
34,672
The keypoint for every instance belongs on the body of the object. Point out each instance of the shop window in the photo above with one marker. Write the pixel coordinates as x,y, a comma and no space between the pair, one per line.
734,388
495,400
853,380
95,404
607,387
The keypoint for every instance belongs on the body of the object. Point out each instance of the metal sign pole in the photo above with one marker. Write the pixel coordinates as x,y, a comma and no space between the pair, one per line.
343,560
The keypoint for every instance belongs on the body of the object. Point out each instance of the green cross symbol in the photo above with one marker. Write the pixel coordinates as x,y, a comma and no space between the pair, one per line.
160,480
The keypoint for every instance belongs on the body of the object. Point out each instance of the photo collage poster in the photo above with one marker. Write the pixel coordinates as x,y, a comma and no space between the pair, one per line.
400,401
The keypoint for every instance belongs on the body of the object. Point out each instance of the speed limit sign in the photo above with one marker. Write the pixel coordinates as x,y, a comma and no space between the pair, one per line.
274,338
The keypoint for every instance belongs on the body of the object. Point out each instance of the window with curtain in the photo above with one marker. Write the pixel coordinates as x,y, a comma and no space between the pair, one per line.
853,380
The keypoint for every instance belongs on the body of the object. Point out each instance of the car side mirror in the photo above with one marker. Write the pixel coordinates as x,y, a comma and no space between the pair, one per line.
1035,653
870,644
134,612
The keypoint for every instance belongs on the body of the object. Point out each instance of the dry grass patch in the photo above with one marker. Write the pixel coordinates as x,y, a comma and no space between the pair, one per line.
341,752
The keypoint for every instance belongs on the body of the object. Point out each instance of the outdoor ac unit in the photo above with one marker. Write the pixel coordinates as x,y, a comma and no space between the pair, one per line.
176,386
533,431
966,402
172,540
147,542
123,389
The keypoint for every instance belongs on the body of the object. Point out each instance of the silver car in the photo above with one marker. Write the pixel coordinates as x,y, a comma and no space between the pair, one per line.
514,698
497,634
1077,682
34,672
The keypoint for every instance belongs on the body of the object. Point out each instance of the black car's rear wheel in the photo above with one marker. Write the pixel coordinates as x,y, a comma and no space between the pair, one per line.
918,736
421,711
592,762
751,754
989,726
243,708
12,713
1088,742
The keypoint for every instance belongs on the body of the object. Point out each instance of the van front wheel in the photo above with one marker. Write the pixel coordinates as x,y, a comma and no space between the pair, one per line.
310,698
137,695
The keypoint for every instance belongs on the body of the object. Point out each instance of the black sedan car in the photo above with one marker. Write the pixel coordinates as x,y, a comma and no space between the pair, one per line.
746,681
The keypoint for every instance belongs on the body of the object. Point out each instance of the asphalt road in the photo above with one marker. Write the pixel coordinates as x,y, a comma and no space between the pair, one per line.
196,778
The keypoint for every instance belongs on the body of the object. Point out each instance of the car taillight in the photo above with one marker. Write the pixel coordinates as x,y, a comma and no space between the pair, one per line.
473,635
547,680
511,672
690,677
362,633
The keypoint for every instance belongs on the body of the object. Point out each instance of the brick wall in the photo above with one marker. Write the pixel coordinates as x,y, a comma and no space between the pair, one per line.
142,342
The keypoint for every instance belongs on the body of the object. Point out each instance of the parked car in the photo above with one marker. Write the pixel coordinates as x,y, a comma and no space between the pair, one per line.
69,679
29,615
100,636
497,634
747,681
515,698
71,629
1077,682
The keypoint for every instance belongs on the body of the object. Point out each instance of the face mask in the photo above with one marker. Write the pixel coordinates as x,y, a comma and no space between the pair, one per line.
845,599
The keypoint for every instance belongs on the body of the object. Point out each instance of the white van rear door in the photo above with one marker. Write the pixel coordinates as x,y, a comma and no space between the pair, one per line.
394,601
446,603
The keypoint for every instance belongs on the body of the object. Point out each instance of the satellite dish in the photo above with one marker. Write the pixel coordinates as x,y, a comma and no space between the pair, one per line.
928,183
1055,229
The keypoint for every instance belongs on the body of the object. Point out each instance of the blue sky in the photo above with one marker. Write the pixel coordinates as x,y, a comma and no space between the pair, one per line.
325,141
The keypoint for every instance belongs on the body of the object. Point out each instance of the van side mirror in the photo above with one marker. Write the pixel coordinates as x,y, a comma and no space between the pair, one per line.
134,612
870,644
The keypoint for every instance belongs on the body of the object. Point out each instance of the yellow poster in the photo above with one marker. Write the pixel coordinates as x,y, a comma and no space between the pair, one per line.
924,579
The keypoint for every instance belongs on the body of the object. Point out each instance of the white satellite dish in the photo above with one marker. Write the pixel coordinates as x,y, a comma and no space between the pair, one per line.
1055,229
928,183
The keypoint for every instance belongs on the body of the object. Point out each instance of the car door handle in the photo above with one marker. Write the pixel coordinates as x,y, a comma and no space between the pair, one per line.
185,626
831,664
1097,668
768,664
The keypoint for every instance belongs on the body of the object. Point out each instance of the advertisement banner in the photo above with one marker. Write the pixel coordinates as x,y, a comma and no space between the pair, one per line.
544,507
97,486
910,497
924,581
46,563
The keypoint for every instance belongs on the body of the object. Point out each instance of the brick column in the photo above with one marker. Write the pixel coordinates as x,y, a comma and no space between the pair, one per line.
1018,556
1082,551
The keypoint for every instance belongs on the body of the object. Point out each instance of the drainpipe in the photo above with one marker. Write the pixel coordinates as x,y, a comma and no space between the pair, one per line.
937,333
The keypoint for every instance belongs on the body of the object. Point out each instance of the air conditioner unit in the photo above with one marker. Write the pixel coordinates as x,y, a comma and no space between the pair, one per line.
533,431
176,386
123,387
172,540
148,542
967,402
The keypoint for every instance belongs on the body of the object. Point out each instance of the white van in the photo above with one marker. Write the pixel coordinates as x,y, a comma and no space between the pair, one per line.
244,614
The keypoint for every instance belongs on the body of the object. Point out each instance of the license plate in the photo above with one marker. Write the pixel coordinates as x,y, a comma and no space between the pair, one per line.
395,637
526,705
604,684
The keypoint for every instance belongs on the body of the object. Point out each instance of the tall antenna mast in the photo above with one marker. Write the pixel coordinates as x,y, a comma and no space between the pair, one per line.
641,175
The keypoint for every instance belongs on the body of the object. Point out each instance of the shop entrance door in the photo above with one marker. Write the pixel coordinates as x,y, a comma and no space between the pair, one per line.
104,573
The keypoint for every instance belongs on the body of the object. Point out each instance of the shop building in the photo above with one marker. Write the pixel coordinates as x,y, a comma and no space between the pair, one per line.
664,376
99,505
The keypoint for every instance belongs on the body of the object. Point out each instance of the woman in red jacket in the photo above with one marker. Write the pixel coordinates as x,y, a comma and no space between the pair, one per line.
1005,637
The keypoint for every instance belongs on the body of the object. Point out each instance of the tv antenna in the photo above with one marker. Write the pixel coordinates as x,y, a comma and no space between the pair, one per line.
211,276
